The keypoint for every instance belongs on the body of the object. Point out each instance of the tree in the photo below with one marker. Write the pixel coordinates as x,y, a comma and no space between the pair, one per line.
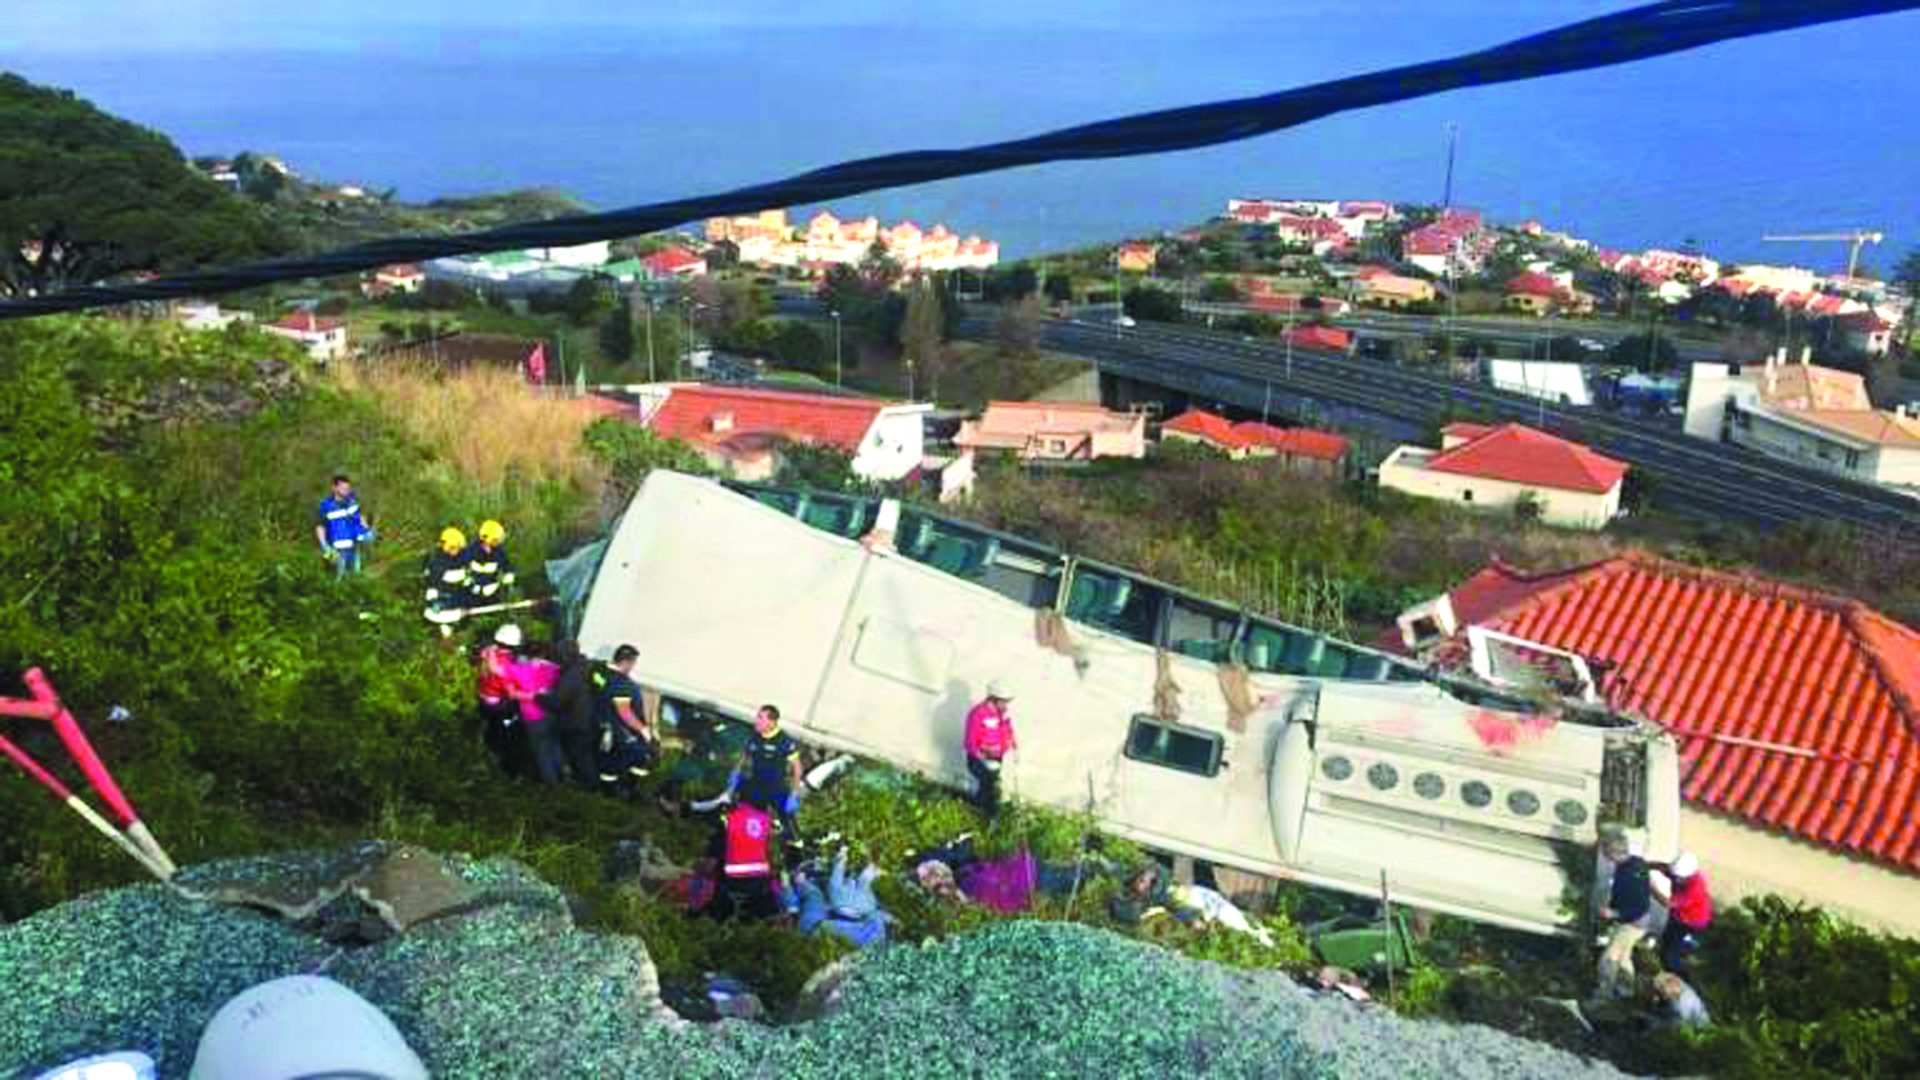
1906,272
85,196
1221,291
920,335
586,301
1151,303
1650,353
1528,508
799,346
616,332
1060,288
724,255
1017,331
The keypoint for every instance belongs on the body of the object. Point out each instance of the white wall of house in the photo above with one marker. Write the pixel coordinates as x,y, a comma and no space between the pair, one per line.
895,445
1405,470
1709,388
1743,861
324,346
592,254
1432,264
1897,465
1783,437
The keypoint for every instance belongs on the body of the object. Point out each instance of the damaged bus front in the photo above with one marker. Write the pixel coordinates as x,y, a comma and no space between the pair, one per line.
1181,722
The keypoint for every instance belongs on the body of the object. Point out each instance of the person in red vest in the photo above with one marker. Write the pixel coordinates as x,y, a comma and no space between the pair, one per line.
746,865
1689,911
989,740
499,711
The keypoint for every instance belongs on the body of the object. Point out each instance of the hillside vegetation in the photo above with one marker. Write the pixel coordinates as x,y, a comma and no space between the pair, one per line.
156,493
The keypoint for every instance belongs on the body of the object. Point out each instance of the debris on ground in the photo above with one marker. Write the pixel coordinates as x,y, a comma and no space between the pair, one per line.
503,984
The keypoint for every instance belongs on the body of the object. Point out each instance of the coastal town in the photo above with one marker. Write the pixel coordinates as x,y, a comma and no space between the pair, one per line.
1434,615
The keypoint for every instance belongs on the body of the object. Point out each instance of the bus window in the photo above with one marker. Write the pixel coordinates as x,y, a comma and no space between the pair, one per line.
1029,574
1158,743
1202,631
837,514
1269,646
1114,602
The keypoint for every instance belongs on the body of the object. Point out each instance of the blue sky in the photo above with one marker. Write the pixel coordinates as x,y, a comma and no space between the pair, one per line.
626,102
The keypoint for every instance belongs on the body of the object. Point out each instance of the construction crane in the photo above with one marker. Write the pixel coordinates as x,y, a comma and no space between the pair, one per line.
1854,238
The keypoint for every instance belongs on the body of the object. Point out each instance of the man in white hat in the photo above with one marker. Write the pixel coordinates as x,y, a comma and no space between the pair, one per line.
989,740
1689,911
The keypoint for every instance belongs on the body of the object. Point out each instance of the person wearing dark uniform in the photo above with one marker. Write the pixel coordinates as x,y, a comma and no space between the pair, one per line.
489,571
626,742
770,770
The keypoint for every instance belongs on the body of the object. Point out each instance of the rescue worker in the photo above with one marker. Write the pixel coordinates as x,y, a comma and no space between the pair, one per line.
488,568
626,742
498,708
1689,911
1626,915
446,574
746,865
989,739
342,528
571,701
770,770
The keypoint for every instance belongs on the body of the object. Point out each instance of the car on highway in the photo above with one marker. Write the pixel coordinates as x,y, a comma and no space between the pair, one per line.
1123,320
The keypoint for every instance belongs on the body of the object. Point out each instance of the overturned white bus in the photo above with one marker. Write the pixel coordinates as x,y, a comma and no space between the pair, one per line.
1181,723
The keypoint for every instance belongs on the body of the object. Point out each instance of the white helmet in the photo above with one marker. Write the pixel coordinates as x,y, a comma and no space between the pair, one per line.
998,688
1685,865
509,635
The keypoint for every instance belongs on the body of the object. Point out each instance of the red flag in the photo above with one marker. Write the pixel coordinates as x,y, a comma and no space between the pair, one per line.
536,364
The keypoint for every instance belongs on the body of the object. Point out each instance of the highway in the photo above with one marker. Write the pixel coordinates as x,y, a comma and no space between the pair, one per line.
1526,334
1690,475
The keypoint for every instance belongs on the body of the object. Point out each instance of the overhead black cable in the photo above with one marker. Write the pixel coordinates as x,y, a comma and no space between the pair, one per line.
1635,34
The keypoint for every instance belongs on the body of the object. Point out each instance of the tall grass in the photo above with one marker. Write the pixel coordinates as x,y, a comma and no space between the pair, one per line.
508,450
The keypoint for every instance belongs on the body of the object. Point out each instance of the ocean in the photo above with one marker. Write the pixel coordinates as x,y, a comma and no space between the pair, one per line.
1804,132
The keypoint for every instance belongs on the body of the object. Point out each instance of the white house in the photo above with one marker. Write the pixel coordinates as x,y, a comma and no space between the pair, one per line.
1497,467
740,428
592,254
324,339
1808,414
206,315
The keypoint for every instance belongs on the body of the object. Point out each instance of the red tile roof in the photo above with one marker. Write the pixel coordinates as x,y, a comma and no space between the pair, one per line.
1793,709
1320,337
306,322
711,415
1298,442
1533,284
1521,455
672,260
1204,425
1463,429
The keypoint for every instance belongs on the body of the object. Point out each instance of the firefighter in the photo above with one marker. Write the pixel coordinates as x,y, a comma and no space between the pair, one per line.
488,568
446,574
342,528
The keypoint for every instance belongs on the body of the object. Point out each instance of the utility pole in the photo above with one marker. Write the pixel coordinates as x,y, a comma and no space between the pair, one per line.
1453,137
651,377
836,346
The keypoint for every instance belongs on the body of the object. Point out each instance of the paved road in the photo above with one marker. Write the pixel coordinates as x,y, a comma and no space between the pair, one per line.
1691,475
1527,333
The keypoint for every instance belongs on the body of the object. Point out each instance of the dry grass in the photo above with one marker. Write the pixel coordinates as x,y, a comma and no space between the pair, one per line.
493,429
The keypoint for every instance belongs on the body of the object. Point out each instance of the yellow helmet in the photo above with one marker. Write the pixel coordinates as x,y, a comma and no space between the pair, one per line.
492,532
452,540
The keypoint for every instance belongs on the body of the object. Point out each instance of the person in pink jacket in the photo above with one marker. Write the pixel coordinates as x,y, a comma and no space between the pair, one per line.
989,740
530,679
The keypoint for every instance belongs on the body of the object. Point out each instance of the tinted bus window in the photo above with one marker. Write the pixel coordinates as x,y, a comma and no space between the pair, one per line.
1114,602
1185,749
1202,631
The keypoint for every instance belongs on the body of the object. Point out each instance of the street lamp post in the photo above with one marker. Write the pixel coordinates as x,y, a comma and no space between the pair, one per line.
836,346
651,377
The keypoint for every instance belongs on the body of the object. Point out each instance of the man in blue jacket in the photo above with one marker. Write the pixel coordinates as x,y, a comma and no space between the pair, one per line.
341,528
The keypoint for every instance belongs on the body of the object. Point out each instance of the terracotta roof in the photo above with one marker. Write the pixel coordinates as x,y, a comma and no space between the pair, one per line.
1463,429
306,322
1793,709
1810,386
1868,425
1532,284
711,416
1519,454
1204,425
672,260
1299,442
1320,337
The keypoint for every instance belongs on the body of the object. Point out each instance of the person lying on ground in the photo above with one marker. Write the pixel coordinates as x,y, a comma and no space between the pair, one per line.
846,907
1148,894
953,873
1681,1003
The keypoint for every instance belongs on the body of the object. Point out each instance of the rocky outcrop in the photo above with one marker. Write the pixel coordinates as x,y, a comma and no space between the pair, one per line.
480,966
